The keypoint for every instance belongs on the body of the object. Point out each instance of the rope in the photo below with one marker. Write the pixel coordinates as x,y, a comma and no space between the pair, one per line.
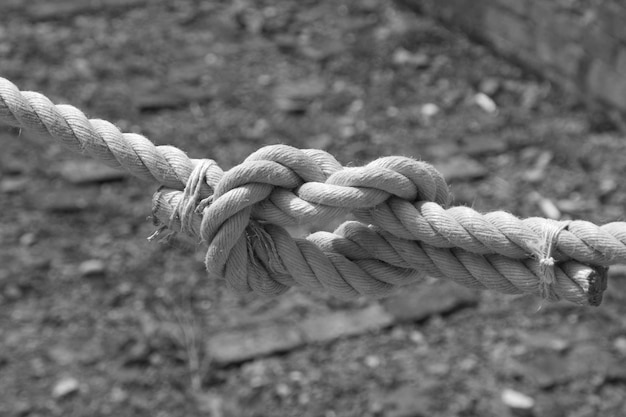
404,231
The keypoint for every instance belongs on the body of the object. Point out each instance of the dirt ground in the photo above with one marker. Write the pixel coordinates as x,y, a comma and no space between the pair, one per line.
95,320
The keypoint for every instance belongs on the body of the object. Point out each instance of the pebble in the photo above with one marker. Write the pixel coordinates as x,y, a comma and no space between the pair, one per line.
485,102
620,345
544,340
345,323
461,168
65,200
409,400
61,355
520,405
538,172
89,172
92,268
175,98
242,344
13,185
297,96
239,345
417,60
421,302
65,387
547,206
67,9
531,96
489,86
482,145
28,239
547,369
429,110
372,361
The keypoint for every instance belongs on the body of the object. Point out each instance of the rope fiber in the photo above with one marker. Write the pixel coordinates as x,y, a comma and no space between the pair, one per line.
404,229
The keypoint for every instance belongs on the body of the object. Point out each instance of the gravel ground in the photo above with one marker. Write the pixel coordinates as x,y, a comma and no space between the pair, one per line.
95,320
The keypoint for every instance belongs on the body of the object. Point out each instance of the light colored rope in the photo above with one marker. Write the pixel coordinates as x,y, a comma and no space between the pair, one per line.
96,138
240,214
364,260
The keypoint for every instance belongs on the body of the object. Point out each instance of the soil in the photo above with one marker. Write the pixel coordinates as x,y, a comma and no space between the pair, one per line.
95,320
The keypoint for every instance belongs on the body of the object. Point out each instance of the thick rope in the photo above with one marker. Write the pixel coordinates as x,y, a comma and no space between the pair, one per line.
239,214
363,260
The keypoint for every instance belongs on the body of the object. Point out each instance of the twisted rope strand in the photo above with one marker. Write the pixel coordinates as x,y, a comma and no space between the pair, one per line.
497,232
99,139
365,260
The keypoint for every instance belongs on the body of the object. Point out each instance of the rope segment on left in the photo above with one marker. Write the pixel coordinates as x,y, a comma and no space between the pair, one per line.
405,230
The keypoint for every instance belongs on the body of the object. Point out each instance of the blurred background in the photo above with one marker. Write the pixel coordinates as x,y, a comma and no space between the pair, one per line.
95,320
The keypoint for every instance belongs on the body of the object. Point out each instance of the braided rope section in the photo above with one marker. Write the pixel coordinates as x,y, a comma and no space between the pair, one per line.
404,230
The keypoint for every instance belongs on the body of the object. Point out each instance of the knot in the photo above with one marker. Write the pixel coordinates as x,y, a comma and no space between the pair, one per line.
283,186
545,255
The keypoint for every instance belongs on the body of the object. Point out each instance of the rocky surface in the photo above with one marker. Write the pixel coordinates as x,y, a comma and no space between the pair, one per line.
96,320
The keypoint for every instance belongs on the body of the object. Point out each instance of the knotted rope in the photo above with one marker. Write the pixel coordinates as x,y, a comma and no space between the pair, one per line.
404,232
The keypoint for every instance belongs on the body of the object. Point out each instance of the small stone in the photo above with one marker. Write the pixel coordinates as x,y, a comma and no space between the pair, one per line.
64,201
538,172
304,398
61,355
13,185
12,292
28,239
545,340
258,130
441,151
531,96
438,368
403,57
421,302
345,323
372,361
607,186
485,102
67,9
574,206
296,97
65,387
92,268
417,337
484,145
520,404
89,172
468,364
547,369
409,401
283,390
209,403
547,206
461,168
239,345
429,110
323,142
620,345
175,98
489,86
322,53
243,344
118,395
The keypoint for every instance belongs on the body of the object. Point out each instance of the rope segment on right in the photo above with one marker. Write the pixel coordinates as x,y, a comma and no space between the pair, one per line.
242,223
404,231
